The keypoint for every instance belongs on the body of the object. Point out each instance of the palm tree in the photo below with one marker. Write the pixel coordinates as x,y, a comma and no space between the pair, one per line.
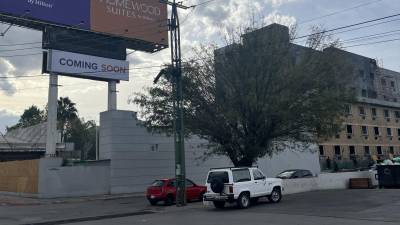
66,113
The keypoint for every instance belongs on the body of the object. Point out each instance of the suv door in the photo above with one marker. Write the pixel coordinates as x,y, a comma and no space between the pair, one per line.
260,183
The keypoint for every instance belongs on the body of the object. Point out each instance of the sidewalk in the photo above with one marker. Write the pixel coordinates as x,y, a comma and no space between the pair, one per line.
14,200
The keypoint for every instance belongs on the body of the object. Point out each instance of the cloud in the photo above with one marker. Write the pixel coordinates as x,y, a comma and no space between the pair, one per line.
6,70
276,17
7,119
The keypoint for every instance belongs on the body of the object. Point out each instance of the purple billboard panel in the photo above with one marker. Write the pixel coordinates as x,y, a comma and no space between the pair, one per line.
64,12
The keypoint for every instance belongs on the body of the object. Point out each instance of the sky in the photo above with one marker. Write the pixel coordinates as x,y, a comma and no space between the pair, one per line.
205,24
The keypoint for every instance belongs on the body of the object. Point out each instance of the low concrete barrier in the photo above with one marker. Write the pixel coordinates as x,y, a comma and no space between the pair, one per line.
74,181
324,181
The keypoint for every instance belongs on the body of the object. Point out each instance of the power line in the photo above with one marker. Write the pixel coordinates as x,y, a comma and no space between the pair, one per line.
348,26
203,3
340,11
372,35
372,43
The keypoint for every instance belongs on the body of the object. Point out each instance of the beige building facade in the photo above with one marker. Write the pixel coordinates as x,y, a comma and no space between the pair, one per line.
371,128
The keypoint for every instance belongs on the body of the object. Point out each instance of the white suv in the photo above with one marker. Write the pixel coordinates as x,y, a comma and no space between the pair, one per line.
241,185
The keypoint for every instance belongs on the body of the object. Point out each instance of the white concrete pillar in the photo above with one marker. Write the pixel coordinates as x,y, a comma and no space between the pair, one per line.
51,139
112,95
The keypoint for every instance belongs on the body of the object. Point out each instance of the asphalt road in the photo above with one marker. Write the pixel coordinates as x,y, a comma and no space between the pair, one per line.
366,207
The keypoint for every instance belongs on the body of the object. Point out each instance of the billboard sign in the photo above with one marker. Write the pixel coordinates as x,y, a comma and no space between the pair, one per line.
69,13
144,20
86,66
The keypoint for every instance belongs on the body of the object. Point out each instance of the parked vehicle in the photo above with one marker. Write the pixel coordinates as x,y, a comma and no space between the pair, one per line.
165,190
293,174
241,185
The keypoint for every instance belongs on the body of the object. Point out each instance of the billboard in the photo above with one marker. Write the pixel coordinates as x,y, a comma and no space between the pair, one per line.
144,20
69,13
86,66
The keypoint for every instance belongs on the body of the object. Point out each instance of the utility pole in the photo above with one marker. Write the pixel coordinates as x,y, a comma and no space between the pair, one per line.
176,60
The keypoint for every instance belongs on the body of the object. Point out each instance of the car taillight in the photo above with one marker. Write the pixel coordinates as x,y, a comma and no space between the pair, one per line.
231,189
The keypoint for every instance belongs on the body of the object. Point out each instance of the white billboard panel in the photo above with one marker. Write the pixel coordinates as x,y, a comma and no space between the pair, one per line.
86,66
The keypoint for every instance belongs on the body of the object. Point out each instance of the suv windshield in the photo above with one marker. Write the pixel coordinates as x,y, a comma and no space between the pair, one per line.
287,174
220,175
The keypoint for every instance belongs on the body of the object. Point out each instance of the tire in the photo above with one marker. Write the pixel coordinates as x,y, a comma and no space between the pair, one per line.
217,185
153,202
243,201
219,204
276,196
169,200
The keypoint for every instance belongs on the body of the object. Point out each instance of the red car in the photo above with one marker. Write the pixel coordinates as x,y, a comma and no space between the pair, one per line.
165,190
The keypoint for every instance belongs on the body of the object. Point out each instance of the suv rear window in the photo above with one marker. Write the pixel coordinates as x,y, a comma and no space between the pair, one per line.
220,175
241,175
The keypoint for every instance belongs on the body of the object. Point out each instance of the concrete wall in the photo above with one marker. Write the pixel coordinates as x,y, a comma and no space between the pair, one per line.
19,176
58,181
325,181
139,157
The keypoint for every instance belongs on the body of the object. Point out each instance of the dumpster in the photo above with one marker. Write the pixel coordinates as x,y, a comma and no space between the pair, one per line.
388,176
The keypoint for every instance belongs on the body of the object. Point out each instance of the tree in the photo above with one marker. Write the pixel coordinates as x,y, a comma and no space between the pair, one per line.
66,113
258,94
30,117
83,134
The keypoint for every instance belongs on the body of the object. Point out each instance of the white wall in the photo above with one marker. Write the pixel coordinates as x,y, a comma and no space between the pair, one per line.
139,157
57,181
324,181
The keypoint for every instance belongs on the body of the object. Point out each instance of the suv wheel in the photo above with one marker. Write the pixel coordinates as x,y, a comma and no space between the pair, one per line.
275,196
218,204
243,201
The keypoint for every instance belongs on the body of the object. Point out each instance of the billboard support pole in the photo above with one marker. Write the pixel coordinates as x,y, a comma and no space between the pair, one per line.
112,95
51,134
176,60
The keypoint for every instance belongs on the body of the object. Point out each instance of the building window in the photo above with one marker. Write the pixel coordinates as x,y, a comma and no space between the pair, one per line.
379,150
372,76
362,111
337,136
321,150
364,130
337,150
397,114
376,131
364,93
373,111
349,129
398,132
391,150
389,131
387,114
352,150
372,94
366,150
392,84
347,109
361,72
383,82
